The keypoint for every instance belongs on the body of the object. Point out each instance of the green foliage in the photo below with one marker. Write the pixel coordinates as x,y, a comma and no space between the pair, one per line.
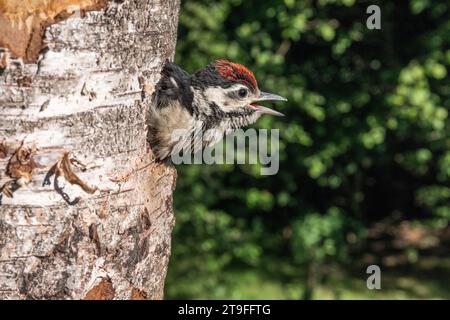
366,136
317,237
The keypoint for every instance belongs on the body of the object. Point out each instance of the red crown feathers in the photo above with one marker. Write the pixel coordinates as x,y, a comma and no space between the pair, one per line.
237,73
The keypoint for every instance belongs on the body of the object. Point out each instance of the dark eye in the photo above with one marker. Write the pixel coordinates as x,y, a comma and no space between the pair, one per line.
242,93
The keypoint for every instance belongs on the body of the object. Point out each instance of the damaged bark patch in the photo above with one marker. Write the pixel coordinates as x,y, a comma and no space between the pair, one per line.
21,164
93,235
20,168
23,22
145,219
102,291
24,81
8,188
137,294
64,168
4,60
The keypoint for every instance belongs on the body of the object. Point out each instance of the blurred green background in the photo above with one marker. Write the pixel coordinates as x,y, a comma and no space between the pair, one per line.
364,154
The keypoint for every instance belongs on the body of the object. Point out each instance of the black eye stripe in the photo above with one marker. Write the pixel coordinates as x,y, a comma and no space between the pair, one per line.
236,93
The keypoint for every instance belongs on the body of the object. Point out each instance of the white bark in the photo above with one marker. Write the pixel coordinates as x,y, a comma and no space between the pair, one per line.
100,229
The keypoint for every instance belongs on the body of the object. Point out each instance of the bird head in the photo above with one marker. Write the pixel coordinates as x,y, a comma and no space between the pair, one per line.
229,90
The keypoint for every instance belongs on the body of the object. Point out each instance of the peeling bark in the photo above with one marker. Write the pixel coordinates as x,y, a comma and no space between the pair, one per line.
23,22
86,211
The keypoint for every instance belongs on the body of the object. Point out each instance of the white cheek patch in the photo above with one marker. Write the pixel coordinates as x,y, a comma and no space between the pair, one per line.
215,94
222,98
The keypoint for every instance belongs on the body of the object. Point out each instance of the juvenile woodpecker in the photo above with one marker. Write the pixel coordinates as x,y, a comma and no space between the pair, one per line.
195,111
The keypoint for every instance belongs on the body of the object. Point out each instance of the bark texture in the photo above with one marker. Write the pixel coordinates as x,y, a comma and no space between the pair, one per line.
85,210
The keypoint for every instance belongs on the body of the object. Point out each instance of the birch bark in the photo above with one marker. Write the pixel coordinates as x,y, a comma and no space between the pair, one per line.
85,210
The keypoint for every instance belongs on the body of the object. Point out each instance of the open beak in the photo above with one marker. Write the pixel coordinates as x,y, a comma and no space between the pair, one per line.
265,96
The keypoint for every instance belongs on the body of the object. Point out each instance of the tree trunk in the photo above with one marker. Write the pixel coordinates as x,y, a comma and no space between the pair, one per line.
85,210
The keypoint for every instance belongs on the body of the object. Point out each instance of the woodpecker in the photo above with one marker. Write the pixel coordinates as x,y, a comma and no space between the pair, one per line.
210,103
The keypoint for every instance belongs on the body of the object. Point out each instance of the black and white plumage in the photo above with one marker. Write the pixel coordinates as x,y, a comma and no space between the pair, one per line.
195,111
